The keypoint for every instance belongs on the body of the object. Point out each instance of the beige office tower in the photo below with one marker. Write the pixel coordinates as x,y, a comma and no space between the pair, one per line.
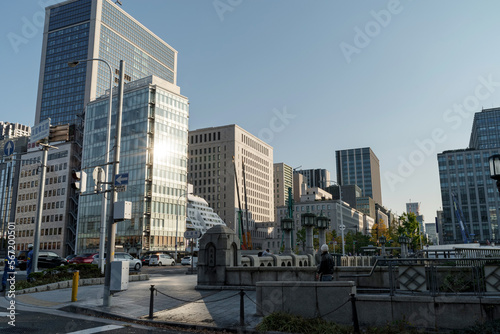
211,172
283,179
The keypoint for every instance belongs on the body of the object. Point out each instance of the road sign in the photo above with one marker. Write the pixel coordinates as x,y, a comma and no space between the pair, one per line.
8,149
99,175
121,179
342,227
40,131
192,234
120,189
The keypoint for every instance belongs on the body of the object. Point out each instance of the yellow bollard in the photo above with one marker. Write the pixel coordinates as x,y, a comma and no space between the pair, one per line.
74,289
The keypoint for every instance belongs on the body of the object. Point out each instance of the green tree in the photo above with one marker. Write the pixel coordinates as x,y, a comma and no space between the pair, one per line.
408,225
301,238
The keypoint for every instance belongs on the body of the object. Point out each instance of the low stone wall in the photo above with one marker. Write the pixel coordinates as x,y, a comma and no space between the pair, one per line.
331,301
249,276
328,300
81,282
439,313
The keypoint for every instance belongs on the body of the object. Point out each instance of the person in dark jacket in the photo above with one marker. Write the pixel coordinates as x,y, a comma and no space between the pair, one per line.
29,262
326,265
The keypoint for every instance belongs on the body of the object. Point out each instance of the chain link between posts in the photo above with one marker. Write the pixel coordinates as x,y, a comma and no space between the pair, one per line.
199,300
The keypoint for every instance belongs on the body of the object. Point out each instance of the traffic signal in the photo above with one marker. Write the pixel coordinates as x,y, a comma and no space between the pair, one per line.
59,133
79,180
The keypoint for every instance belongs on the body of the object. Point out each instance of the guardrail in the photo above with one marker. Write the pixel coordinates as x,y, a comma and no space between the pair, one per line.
451,276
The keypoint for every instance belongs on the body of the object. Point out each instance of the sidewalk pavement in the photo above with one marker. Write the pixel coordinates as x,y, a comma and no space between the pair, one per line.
176,301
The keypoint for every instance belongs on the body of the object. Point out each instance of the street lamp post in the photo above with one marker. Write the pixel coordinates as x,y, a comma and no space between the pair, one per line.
184,193
287,226
104,204
495,169
308,221
322,223
382,241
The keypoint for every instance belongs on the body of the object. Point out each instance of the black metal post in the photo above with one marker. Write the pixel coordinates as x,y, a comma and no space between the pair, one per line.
242,308
151,301
354,314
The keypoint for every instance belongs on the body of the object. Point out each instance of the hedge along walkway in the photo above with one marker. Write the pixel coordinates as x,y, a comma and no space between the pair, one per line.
81,282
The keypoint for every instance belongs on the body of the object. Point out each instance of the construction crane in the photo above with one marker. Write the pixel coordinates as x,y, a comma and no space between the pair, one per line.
459,215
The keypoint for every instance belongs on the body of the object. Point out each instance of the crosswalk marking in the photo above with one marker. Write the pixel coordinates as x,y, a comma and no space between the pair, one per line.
97,329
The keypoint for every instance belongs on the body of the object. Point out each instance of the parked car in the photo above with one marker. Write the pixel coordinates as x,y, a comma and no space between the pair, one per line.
45,259
83,258
120,256
69,257
186,261
145,259
161,259
50,260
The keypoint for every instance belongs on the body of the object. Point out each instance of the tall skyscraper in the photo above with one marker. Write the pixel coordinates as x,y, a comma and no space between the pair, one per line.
84,29
316,177
211,172
413,207
283,179
360,166
154,154
464,173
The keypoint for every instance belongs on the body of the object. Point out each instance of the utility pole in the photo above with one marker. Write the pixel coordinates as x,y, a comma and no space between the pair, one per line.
111,230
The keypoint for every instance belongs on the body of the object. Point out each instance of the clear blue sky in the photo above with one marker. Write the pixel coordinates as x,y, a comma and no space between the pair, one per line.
392,86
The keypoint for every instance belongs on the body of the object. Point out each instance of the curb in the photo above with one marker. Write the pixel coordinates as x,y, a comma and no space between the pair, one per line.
146,322
81,282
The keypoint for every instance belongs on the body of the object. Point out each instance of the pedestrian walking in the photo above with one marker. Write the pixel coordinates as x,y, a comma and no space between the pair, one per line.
266,252
326,265
29,262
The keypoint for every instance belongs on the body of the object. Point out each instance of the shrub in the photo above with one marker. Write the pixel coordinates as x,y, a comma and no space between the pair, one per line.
61,273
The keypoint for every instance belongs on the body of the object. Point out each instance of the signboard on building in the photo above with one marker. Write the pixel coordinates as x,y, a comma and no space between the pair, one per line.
39,132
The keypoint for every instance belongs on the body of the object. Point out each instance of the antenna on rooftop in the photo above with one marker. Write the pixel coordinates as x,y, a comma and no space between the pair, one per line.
119,2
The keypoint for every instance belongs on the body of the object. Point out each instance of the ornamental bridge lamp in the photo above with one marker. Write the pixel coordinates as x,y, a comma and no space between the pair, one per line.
322,223
308,221
287,226
495,169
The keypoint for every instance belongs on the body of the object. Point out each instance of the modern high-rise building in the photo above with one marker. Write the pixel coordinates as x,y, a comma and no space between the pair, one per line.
153,153
360,166
464,174
214,155
85,29
10,171
283,179
413,207
316,177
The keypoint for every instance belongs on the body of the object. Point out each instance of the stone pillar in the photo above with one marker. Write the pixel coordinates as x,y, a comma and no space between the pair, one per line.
288,242
321,237
309,240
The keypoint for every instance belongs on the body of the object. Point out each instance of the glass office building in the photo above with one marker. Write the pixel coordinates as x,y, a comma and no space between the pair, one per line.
153,153
85,29
465,174
361,167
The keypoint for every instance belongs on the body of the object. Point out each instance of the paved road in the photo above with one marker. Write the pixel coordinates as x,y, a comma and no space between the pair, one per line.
31,320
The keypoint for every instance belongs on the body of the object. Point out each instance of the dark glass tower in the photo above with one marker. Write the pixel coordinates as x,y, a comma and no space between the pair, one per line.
84,29
360,166
465,174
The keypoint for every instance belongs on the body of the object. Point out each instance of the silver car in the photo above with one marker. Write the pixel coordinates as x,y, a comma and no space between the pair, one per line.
133,263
